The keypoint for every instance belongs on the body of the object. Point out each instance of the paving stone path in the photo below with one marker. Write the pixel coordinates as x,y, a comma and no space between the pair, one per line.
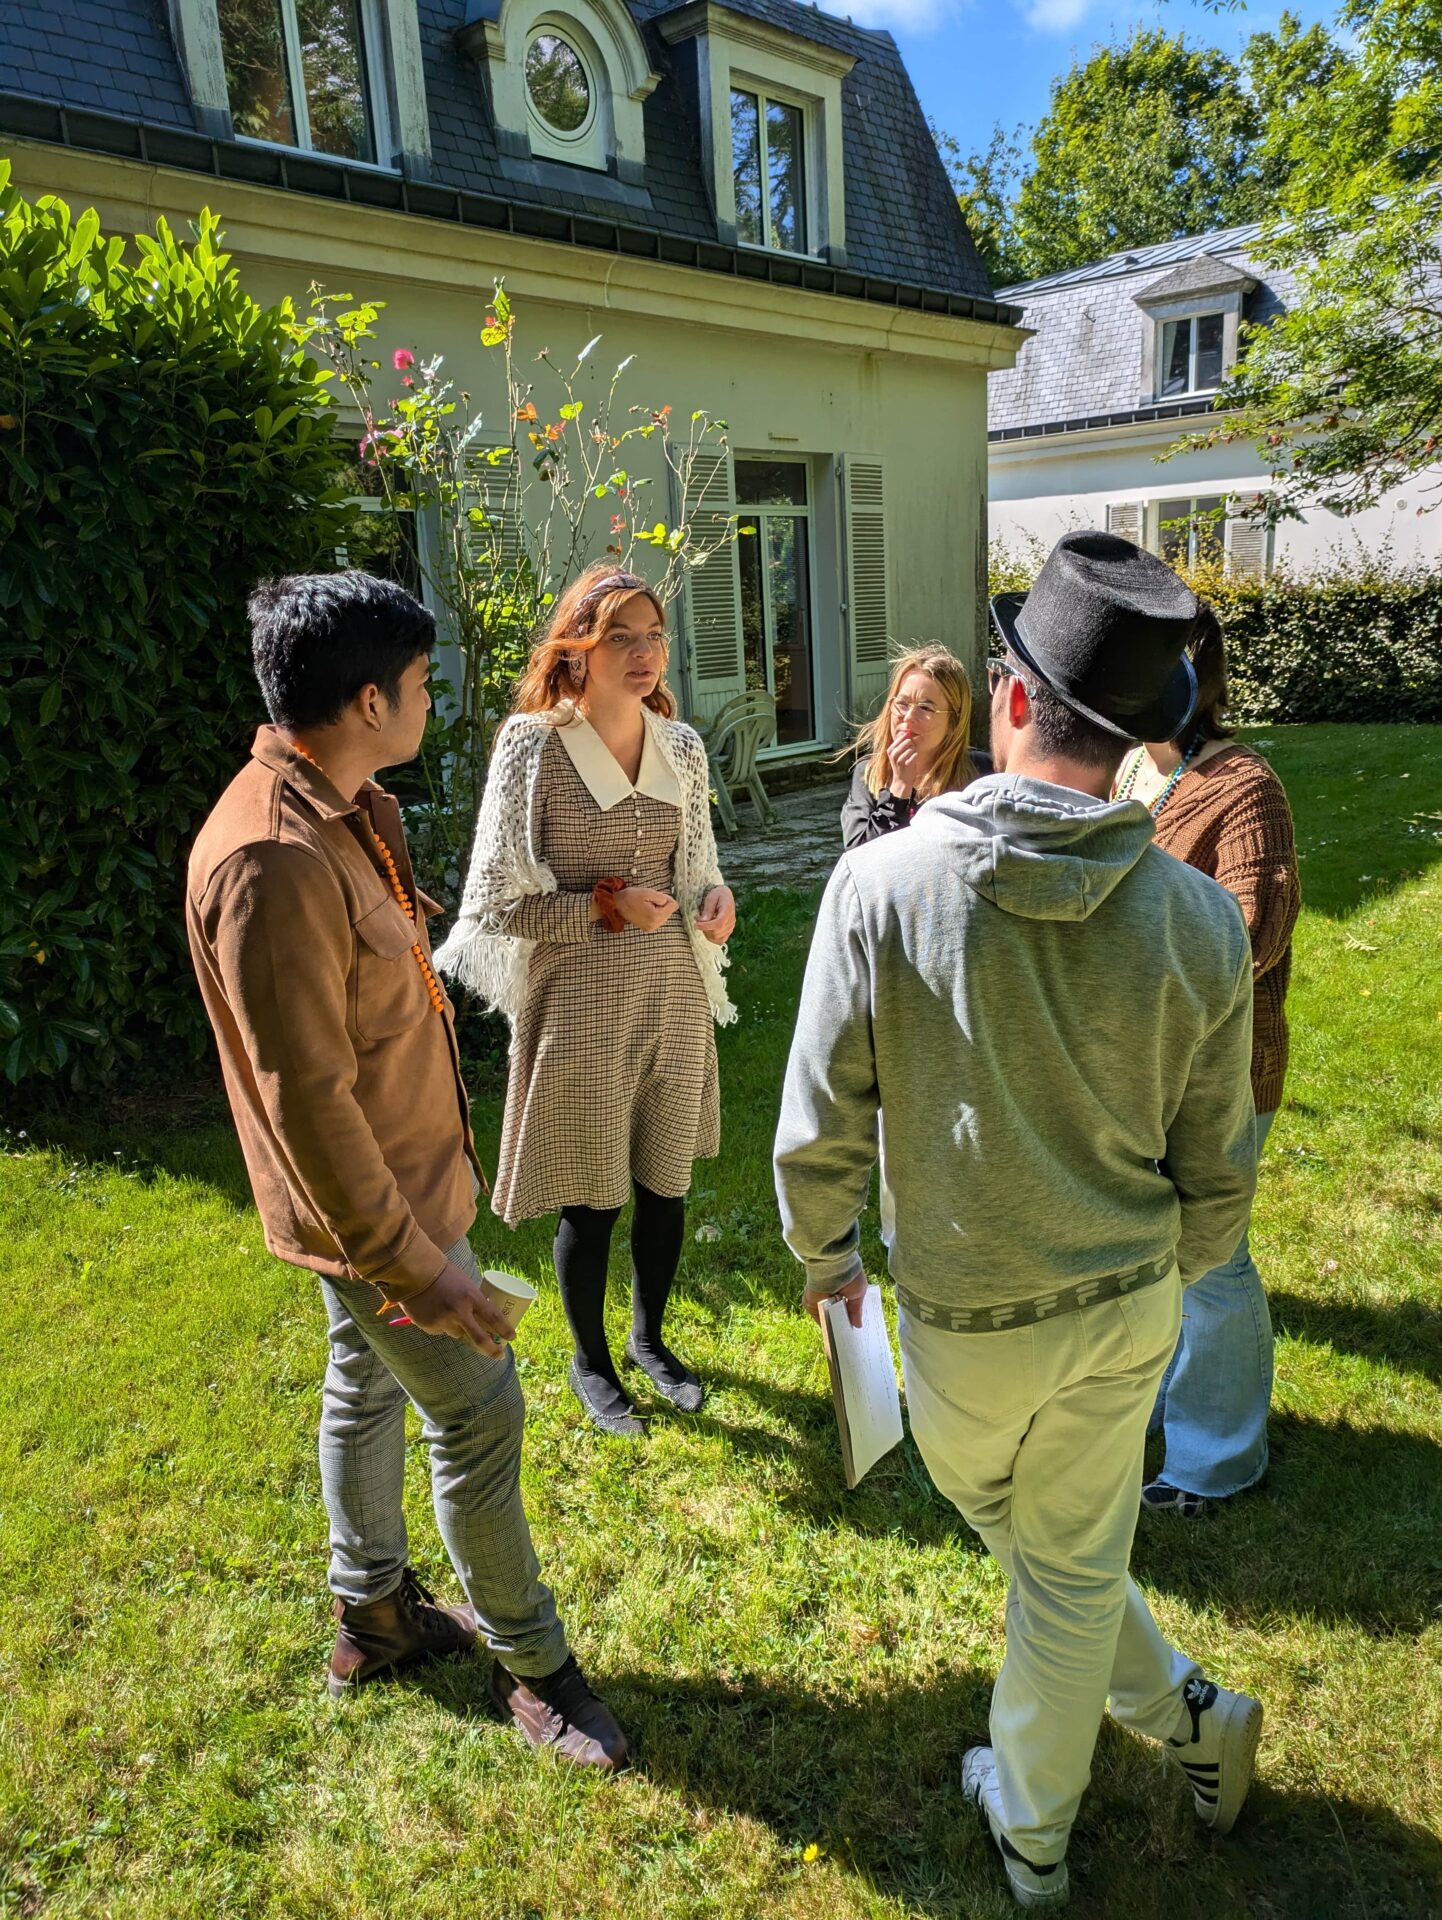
799,851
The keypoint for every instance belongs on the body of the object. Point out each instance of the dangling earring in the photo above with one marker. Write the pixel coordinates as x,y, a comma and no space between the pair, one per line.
577,667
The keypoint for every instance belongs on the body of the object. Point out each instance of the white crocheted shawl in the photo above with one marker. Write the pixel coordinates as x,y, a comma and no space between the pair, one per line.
506,865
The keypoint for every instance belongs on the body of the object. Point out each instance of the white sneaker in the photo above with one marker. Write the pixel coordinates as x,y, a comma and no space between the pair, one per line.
1030,1886
1218,1752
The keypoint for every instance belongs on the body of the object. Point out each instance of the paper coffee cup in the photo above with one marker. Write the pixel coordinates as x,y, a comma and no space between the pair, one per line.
508,1292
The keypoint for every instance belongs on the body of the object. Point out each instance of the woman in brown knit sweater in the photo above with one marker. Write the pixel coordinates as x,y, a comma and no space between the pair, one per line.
1221,808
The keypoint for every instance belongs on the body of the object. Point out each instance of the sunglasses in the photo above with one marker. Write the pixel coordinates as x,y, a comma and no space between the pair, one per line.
999,668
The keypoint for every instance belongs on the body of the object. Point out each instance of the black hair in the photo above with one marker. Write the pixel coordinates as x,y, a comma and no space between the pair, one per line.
1064,734
318,638
1208,652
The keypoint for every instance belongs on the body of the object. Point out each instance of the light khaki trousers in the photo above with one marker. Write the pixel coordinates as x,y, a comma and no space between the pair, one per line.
1036,1433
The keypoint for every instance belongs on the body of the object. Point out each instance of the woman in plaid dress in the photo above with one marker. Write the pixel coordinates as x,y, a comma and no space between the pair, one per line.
595,915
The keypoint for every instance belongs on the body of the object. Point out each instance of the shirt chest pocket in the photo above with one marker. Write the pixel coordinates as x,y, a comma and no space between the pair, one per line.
389,994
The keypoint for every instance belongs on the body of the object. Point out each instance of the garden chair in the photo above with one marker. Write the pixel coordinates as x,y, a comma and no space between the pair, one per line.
733,740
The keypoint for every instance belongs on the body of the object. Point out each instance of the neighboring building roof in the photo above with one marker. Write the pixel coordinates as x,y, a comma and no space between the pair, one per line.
1083,367
906,241
1166,253
1205,274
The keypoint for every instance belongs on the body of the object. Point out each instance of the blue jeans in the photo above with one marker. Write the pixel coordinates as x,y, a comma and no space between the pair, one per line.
1213,1401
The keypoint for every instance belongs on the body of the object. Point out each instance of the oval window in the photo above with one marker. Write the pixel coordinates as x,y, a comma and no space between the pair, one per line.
557,83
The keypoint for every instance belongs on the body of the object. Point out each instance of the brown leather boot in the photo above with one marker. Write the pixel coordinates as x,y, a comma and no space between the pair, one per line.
407,1625
561,1712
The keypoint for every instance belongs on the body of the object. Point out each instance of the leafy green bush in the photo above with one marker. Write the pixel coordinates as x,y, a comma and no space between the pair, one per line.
164,444
1352,642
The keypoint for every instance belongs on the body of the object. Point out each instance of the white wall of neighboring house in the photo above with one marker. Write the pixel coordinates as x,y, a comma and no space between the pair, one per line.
1042,488
1075,438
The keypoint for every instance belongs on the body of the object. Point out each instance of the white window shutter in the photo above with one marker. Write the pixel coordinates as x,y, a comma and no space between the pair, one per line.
868,599
1128,518
493,488
1248,544
712,598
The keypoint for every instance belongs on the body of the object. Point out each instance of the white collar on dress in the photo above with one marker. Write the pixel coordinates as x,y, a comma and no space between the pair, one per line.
601,771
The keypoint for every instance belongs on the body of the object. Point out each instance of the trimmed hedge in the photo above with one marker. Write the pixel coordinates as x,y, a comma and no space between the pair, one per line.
163,445
1361,644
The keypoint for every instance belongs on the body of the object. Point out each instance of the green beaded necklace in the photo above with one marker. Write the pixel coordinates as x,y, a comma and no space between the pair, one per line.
1129,778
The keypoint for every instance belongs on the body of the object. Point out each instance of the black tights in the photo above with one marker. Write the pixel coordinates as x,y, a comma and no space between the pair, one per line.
582,1249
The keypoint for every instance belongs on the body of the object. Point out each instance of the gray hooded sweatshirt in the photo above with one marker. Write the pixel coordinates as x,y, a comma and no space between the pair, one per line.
1042,1026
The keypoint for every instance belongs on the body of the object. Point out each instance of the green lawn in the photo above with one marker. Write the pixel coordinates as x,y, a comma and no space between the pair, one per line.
801,1667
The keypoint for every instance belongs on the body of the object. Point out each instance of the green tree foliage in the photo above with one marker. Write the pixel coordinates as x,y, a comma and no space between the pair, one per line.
1343,392
1144,141
164,444
1147,140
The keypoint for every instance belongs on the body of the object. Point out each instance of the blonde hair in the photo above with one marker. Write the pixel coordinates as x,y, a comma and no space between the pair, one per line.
949,770
580,621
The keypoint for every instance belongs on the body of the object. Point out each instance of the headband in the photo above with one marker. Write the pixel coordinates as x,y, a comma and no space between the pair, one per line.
613,583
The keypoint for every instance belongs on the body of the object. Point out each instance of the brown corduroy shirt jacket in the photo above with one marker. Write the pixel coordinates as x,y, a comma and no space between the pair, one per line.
344,1081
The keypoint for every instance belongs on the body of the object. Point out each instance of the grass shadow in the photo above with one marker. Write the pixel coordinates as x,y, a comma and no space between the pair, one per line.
874,1780
1258,1554
1406,1335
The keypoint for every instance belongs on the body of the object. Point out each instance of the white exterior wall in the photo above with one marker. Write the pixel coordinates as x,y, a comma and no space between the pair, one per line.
1042,488
792,373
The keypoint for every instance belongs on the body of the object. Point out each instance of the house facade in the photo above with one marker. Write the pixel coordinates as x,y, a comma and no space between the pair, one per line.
1125,357
745,198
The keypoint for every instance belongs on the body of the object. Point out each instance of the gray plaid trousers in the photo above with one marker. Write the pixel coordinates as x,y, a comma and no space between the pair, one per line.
472,1415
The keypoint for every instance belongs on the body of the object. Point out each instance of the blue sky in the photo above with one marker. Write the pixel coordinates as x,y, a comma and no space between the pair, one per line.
975,62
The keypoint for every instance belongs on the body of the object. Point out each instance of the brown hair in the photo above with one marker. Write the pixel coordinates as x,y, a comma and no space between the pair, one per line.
1208,651
579,621
949,769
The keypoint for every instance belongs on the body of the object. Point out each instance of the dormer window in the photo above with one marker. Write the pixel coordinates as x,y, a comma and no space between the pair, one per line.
1191,355
771,138
768,148
307,73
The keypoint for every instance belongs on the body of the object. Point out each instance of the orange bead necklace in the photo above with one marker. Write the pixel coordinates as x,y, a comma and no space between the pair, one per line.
403,899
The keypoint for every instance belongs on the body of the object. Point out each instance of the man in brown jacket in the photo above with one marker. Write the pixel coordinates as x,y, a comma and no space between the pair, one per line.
338,1048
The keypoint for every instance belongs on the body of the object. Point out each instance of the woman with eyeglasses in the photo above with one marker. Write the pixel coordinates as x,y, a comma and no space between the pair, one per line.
596,918
916,747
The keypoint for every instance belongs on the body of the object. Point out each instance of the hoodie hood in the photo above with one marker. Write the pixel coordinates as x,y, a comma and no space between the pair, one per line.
1035,850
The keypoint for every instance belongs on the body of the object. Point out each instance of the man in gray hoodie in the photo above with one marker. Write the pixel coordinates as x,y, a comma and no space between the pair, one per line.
1041,1026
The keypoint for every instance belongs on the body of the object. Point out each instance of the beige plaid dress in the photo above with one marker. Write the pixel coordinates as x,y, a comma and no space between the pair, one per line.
613,1057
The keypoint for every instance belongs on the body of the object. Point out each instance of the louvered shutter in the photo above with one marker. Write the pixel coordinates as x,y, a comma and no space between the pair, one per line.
712,598
1128,519
868,601
1248,544
493,489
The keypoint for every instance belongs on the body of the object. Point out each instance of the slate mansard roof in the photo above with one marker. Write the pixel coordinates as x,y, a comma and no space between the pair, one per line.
108,61
1082,368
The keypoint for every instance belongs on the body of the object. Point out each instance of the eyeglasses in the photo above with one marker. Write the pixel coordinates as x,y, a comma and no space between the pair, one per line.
923,709
999,668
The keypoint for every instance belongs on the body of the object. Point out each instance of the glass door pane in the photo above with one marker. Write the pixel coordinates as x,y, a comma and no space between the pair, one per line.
788,580
749,553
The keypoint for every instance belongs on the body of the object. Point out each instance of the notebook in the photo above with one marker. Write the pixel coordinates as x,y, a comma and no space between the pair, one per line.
863,1383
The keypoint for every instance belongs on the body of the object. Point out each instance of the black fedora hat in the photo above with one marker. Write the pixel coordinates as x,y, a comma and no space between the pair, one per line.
1106,627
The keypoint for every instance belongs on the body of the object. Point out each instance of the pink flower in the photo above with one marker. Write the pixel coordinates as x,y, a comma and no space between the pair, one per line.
617,523
402,358
406,380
